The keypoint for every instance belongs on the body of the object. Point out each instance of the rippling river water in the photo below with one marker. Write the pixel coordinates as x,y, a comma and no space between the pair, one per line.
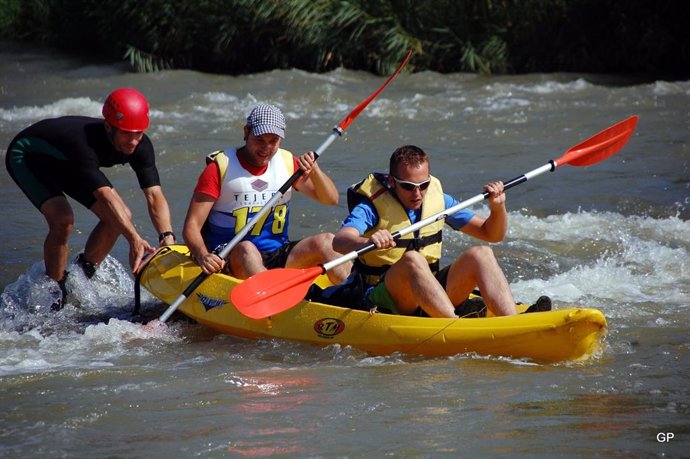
91,382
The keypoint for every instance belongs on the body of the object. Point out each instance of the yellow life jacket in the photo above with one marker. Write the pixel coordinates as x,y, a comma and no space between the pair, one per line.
220,158
393,217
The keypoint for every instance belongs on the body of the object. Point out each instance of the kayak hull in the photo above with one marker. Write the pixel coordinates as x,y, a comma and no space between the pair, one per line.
570,334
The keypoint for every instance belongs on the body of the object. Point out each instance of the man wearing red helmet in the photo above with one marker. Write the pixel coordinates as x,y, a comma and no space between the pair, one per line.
63,156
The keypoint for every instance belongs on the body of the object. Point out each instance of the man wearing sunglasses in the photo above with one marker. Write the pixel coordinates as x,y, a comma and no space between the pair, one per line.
403,276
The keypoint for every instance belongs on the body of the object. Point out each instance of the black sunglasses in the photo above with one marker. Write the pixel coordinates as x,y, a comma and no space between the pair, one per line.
411,186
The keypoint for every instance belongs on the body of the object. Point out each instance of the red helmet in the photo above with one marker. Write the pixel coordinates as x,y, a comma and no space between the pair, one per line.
127,109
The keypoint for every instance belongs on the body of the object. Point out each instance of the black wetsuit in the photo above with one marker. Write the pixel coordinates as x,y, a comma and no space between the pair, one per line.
64,155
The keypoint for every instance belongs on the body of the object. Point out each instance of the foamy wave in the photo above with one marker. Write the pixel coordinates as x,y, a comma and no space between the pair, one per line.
31,352
34,338
25,304
220,97
82,106
609,226
626,260
546,87
500,104
666,88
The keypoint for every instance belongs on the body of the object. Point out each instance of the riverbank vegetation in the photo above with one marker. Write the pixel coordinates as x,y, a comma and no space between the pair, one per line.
483,36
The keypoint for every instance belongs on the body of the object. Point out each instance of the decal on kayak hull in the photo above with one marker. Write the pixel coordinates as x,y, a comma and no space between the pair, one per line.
210,303
329,327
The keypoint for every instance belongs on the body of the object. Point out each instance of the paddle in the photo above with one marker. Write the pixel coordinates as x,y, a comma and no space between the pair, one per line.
337,131
271,292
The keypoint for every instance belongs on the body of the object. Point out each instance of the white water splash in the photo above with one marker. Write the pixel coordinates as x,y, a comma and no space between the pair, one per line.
98,346
623,260
545,87
82,106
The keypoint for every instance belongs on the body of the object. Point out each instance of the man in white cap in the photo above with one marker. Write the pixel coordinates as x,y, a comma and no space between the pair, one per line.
237,183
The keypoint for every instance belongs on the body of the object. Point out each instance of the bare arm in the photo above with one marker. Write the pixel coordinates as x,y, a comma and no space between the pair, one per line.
495,227
199,208
159,212
111,209
348,239
315,183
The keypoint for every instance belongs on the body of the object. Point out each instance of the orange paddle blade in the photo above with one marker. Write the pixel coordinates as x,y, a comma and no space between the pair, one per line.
600,146
270,292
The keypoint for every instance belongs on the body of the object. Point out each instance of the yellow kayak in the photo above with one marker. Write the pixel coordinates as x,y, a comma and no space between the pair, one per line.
560,335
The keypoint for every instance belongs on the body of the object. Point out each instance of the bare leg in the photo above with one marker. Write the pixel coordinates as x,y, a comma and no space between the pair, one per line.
245,260
477,267
100,242
104,236
58,213
411,283
316,250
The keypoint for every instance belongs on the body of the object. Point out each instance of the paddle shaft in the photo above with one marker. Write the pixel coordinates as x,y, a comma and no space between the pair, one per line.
548,167
337,131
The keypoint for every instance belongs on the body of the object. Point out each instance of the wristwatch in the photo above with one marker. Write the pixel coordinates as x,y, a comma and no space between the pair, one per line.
165,234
